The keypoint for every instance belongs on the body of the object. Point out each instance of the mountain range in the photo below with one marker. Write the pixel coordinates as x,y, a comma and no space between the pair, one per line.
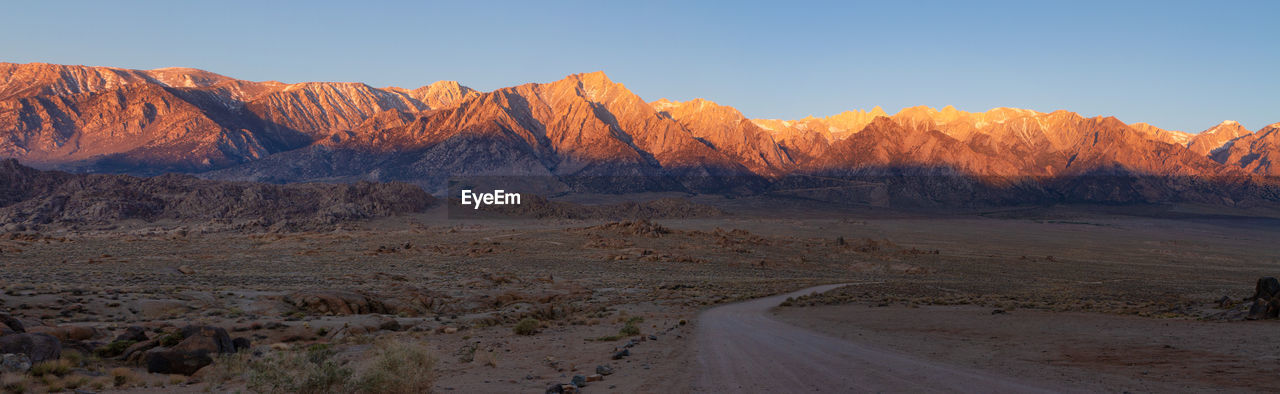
585,126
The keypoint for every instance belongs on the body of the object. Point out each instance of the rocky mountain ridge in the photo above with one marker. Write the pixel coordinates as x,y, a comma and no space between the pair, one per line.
584,127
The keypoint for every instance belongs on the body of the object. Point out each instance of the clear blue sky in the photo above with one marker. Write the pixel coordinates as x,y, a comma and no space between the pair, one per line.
1178,65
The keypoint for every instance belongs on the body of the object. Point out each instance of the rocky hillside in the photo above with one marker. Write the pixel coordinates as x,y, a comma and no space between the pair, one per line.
34,198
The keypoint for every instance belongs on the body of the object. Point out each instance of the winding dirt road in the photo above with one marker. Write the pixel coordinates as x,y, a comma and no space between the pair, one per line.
740,348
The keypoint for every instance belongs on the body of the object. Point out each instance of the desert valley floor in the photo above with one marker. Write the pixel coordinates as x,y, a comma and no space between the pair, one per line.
1064,298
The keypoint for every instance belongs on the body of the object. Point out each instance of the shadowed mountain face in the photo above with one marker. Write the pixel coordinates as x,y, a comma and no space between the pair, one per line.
98,119
33,197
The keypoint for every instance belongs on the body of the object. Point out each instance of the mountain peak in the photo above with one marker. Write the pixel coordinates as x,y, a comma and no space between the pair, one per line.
592,79
443,84
442,94
1217,137
1228,127
663,104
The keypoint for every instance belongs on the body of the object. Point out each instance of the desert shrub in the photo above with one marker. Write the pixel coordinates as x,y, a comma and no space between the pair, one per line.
227,366
57,367
171,339
76,382
527,327
397,368
631,328
550,312
99,384
113,349
311,371
74,357
467,353
15,383
608,338
487,357
122,377
52,383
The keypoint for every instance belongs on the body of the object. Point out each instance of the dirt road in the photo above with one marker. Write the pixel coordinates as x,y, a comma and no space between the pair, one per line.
742,349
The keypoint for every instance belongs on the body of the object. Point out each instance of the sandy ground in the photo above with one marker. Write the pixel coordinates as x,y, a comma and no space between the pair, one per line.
1091,298
1080,352
743,349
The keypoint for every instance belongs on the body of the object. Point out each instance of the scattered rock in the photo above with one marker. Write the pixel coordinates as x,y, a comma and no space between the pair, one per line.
621,354
1225,302
595,378
39,347
562,389
604,369
579,380
186,270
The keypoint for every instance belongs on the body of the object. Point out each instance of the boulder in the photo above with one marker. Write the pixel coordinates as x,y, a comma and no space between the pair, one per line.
335,302
15,363
173,361
133,333
207,338
67,333
1267,287
12,323
39,347
195,351
1266,299
389,324
241,343
133,353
